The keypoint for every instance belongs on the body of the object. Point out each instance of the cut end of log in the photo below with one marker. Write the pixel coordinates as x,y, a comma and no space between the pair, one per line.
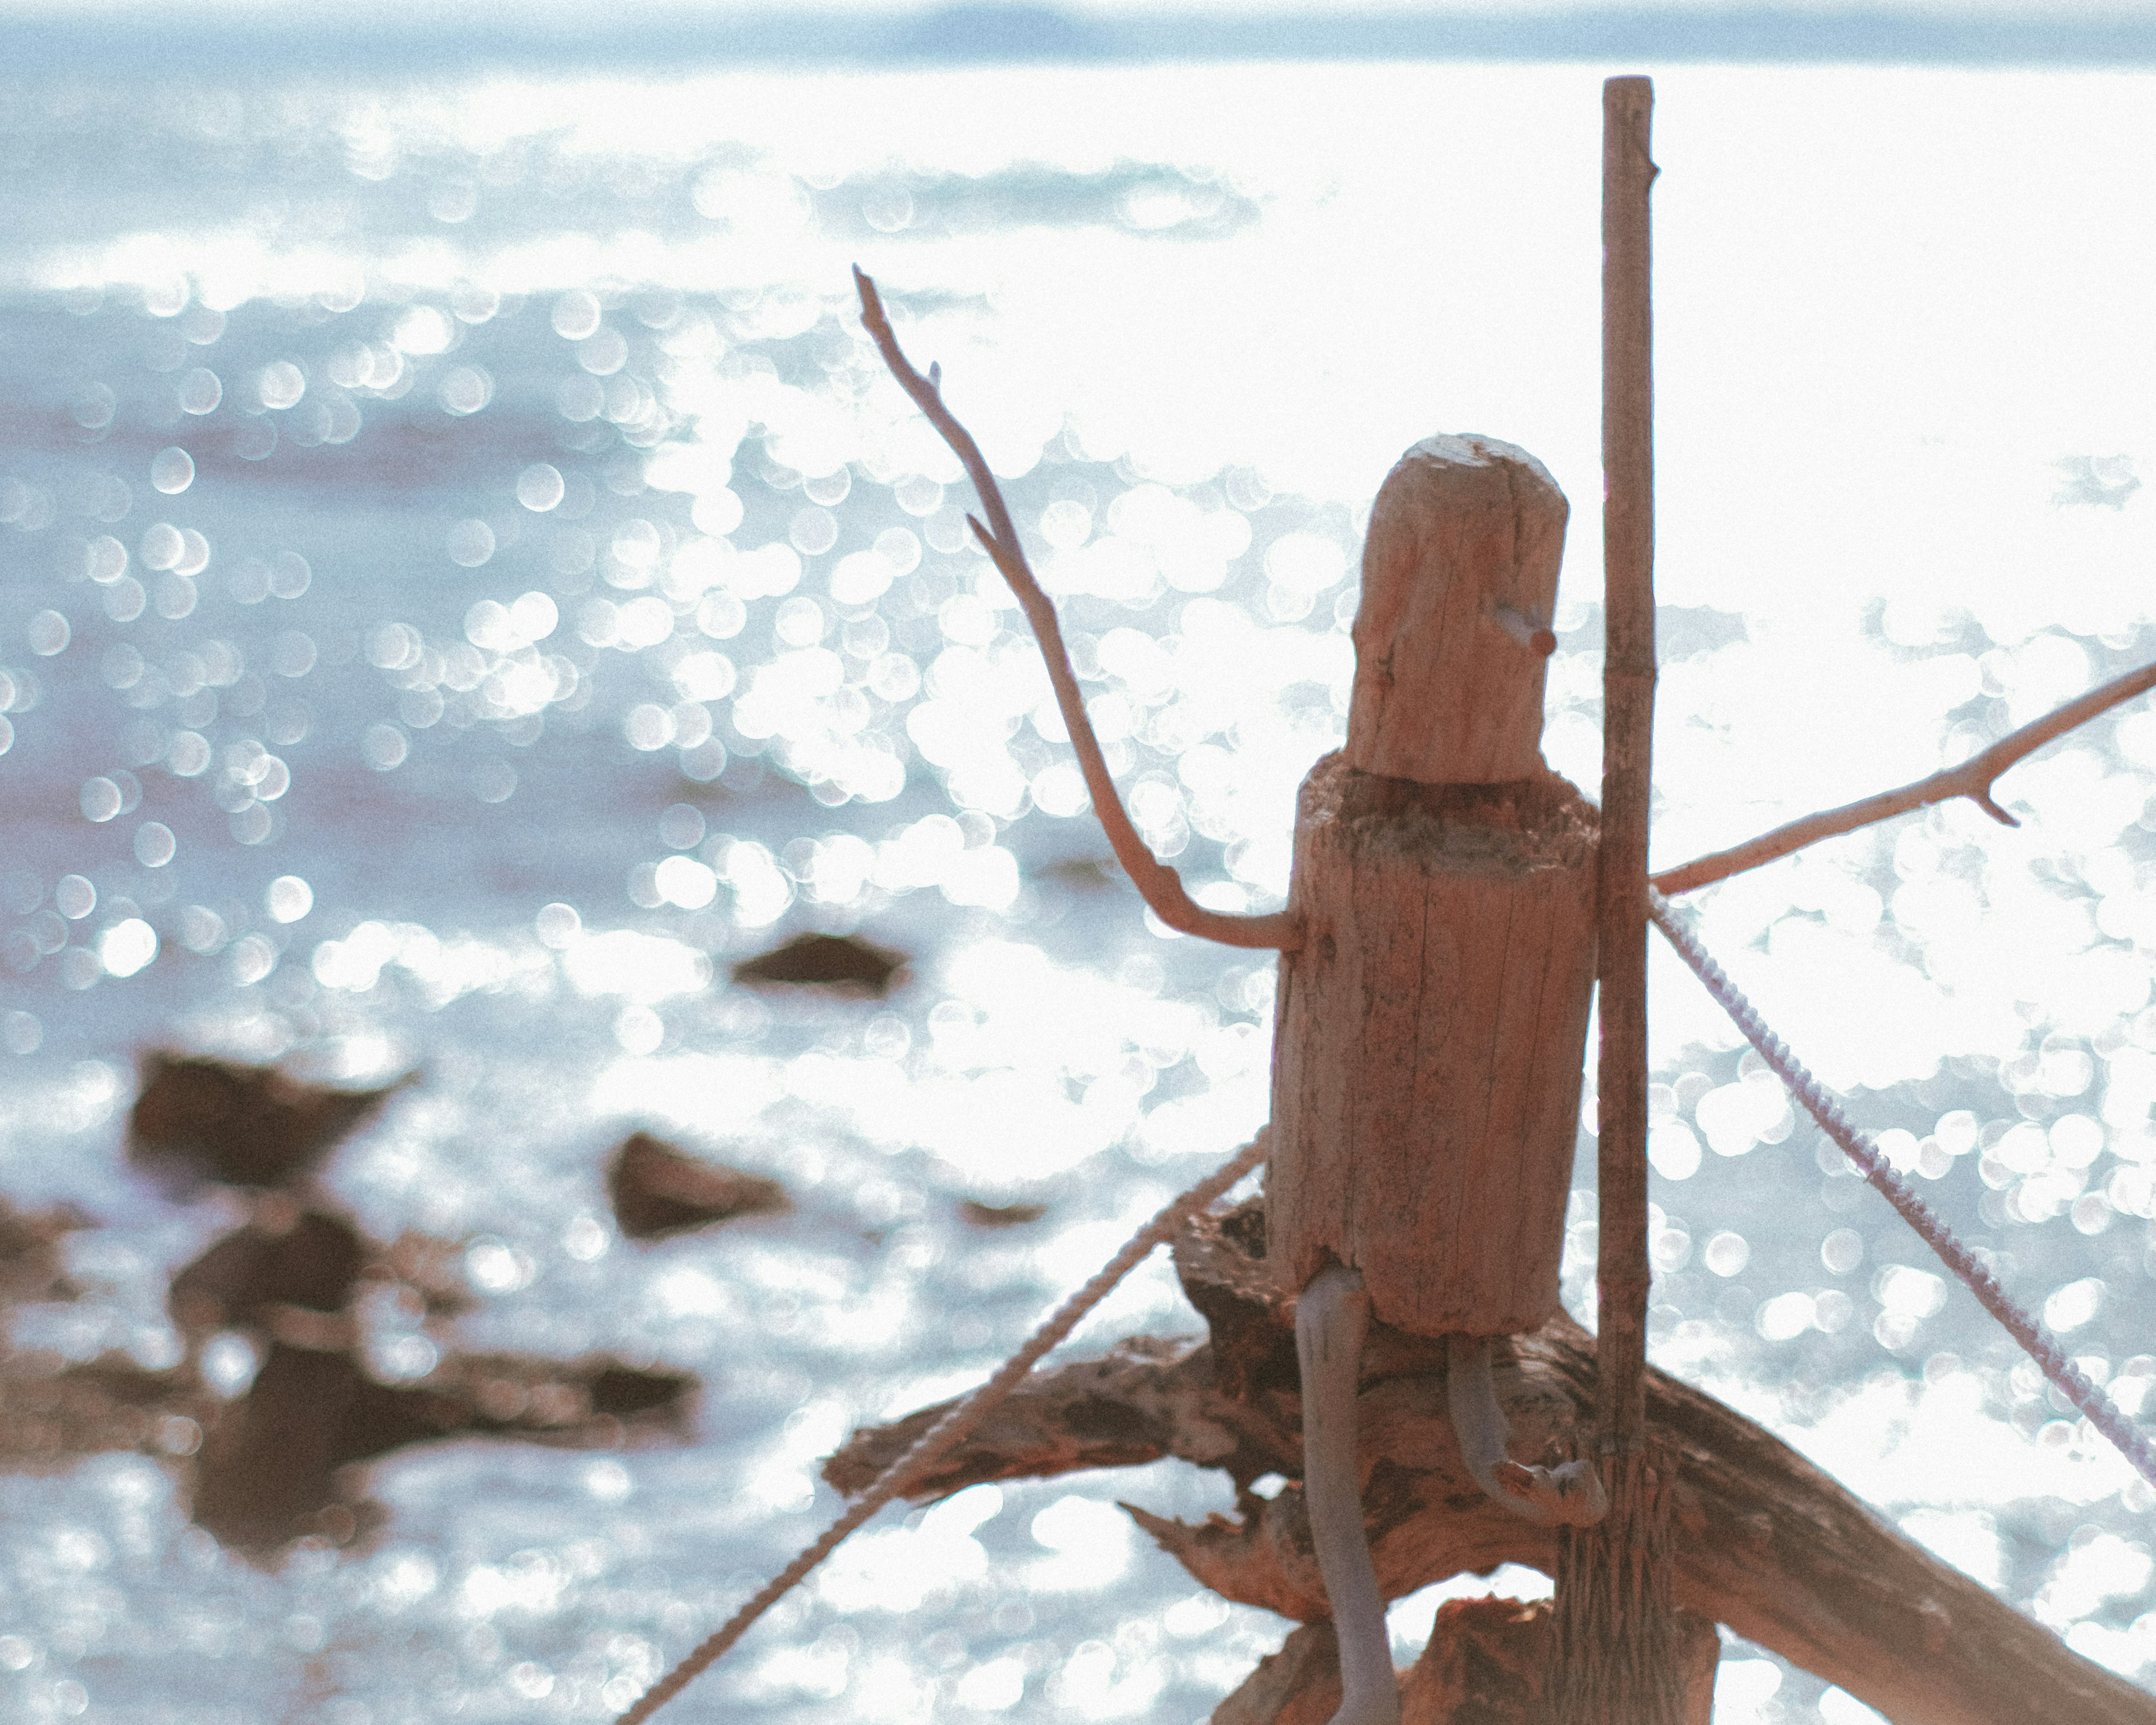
1459,575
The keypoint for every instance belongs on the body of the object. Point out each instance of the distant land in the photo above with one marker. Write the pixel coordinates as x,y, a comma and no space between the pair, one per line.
628,36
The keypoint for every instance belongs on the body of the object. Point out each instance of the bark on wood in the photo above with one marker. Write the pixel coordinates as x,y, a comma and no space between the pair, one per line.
1427,1057
1464,529
1765,1542
1487,1663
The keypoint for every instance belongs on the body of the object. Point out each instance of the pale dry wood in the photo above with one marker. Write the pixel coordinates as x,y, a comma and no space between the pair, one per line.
1972,779
1160,886
1459,570
1427,1052
1765,1542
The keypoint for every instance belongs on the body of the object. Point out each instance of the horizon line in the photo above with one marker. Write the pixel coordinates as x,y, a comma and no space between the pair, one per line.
986,32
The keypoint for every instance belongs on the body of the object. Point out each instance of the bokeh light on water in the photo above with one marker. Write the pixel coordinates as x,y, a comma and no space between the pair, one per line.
466,581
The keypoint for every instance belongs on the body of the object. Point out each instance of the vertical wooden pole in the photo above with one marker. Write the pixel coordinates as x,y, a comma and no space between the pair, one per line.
1615,1664
1628,696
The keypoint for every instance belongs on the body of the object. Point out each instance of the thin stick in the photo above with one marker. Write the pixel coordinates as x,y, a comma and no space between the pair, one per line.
1157,884
1628,694
1972,779
1614,1651
953,1428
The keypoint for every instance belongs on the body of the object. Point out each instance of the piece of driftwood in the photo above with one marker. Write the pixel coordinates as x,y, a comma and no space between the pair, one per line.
1765,1542
1615,1636
1487,1663
1427,1056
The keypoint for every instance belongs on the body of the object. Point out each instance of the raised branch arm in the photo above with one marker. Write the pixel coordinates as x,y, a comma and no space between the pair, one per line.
1157,884
1972,779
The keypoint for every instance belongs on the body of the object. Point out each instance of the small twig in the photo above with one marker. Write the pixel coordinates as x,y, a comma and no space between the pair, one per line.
1972,779
1157,884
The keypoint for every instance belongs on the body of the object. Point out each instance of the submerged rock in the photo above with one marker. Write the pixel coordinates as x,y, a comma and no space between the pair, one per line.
245,1126
1000,1215
844,963
270,1471
313,1261
265,1468
658,1190
31,1257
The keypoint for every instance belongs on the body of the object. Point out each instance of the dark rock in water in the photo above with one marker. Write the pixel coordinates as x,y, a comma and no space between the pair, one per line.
845,963
1001,1215
594,1401
51,1416
31,1266
625,1392
269,1473
246,1126
269,1466
657,1190
1085,874
314,1261
264,1468
432,1269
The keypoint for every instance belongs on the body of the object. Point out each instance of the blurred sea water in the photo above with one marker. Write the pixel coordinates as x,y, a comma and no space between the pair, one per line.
465,581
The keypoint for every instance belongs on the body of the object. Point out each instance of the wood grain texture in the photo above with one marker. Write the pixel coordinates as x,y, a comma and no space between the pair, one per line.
1613,1631
1765,1542
1462,528
1428,1047
1487,1663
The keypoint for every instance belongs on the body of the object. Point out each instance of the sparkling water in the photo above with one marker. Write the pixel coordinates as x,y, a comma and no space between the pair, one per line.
466,581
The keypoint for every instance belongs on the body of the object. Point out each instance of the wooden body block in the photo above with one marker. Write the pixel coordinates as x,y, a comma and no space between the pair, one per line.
1427,1052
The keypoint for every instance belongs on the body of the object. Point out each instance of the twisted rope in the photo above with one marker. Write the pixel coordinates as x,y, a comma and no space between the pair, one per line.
2068,1378
948,1432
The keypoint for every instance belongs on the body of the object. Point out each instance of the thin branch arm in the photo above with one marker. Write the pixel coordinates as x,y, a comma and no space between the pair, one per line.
1159,885
1972,779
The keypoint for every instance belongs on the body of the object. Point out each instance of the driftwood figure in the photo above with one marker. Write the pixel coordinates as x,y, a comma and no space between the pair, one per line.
1432,1014
1450,899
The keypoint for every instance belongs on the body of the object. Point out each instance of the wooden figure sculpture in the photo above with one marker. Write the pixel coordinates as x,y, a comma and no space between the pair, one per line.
1432,1014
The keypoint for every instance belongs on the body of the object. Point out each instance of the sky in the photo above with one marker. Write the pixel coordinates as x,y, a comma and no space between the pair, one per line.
480,13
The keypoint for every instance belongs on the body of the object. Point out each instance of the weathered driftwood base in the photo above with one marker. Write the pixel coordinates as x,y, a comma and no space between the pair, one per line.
1766,1542
1487,1663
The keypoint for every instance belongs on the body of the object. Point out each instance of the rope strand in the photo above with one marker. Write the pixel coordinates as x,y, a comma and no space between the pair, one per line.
2070,1381
948,1432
